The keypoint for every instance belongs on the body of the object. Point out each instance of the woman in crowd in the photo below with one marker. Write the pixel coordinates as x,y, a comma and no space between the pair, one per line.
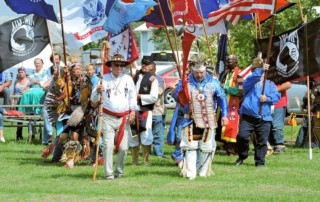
21,86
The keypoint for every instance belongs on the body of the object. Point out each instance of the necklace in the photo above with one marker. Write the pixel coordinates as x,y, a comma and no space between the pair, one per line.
115,88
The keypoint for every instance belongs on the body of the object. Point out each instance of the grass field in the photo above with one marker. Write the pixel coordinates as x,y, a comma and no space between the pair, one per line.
289,176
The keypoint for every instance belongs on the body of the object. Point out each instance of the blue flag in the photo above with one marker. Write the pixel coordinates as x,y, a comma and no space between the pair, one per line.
222,53
155,16
39,7
121,14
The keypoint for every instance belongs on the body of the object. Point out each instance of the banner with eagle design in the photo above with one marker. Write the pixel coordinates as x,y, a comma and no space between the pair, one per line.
294,53
22,38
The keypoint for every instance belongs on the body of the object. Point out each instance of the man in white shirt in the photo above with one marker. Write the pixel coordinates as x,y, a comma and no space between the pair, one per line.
119,101
147,89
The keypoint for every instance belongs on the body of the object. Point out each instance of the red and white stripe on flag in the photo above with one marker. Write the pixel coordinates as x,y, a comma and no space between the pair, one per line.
242,76
233,11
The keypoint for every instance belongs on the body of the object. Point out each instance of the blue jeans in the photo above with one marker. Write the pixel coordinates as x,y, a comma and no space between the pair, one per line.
158,123
177,154
1,122
261,129
278,116
47,127
6,96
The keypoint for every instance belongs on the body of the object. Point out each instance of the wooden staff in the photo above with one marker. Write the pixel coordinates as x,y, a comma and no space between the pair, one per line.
207,37
167,32
308,84
174,31
274,16
105,48
65,57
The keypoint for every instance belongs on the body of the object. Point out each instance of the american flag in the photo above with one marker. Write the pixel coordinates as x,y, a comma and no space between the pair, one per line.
242,76
233,11
123,43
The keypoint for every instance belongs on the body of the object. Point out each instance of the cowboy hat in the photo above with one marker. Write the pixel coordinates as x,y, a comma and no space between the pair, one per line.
117,58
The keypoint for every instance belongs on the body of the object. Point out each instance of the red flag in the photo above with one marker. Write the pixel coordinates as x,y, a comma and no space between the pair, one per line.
233,11
183,95
280,6
186,10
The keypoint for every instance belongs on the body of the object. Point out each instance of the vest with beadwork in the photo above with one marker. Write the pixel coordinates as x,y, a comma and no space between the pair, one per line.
202,108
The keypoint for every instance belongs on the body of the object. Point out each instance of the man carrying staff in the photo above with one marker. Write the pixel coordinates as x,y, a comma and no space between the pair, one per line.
119,99
198,125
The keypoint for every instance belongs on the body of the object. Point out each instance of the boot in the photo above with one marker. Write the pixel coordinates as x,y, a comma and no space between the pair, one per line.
145,152
135,155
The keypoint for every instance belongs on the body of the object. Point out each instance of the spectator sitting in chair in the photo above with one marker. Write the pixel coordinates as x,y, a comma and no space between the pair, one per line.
5,82
35,96
21,86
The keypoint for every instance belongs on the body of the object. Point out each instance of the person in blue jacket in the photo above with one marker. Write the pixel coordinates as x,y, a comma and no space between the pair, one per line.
199,123
255,113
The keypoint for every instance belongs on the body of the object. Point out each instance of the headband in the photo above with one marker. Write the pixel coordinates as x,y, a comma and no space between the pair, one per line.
201,68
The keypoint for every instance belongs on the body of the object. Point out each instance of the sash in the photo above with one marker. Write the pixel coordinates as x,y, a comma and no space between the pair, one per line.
229,132
120,134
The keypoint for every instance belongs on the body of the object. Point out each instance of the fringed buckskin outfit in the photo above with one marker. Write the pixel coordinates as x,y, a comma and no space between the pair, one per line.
199,123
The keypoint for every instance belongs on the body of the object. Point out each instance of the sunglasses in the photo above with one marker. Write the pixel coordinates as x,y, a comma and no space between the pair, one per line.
118,64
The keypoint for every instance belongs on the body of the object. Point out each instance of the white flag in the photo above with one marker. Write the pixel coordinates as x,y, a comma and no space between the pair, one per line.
83,22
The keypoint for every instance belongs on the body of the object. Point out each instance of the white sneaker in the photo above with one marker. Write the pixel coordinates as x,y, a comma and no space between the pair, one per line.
2,139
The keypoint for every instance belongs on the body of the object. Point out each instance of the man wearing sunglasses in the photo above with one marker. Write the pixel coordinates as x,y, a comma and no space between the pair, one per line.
119,101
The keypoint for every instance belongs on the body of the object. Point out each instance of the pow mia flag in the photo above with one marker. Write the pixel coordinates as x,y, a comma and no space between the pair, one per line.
22,38
288,57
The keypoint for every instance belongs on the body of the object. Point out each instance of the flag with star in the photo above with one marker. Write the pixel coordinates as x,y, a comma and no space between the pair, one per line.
123,43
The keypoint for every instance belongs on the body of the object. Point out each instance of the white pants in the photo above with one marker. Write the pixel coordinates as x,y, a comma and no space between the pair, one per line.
110,127
146,137
200,162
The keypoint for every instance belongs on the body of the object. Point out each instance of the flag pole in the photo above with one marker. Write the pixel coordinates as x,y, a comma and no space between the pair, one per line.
274,16
167,32
308,84
64,54
207,37
300,9
62,34
304,19
52,49
174,32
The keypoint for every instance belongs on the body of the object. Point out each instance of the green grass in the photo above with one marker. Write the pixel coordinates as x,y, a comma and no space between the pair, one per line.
289,176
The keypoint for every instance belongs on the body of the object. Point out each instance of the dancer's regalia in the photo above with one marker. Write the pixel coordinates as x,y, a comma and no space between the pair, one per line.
198,133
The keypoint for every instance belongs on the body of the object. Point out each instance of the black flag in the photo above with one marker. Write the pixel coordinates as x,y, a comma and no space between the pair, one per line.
22,38
288,57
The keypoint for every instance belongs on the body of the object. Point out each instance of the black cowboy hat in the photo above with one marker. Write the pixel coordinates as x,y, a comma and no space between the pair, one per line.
147,60
117,58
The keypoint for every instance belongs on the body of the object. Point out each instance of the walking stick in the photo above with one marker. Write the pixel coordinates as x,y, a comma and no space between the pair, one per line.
104,53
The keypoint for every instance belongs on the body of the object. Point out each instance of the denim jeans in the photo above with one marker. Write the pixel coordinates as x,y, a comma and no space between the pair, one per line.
47,127
278,116
177,154
261,129
6,96
158,123
1,122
